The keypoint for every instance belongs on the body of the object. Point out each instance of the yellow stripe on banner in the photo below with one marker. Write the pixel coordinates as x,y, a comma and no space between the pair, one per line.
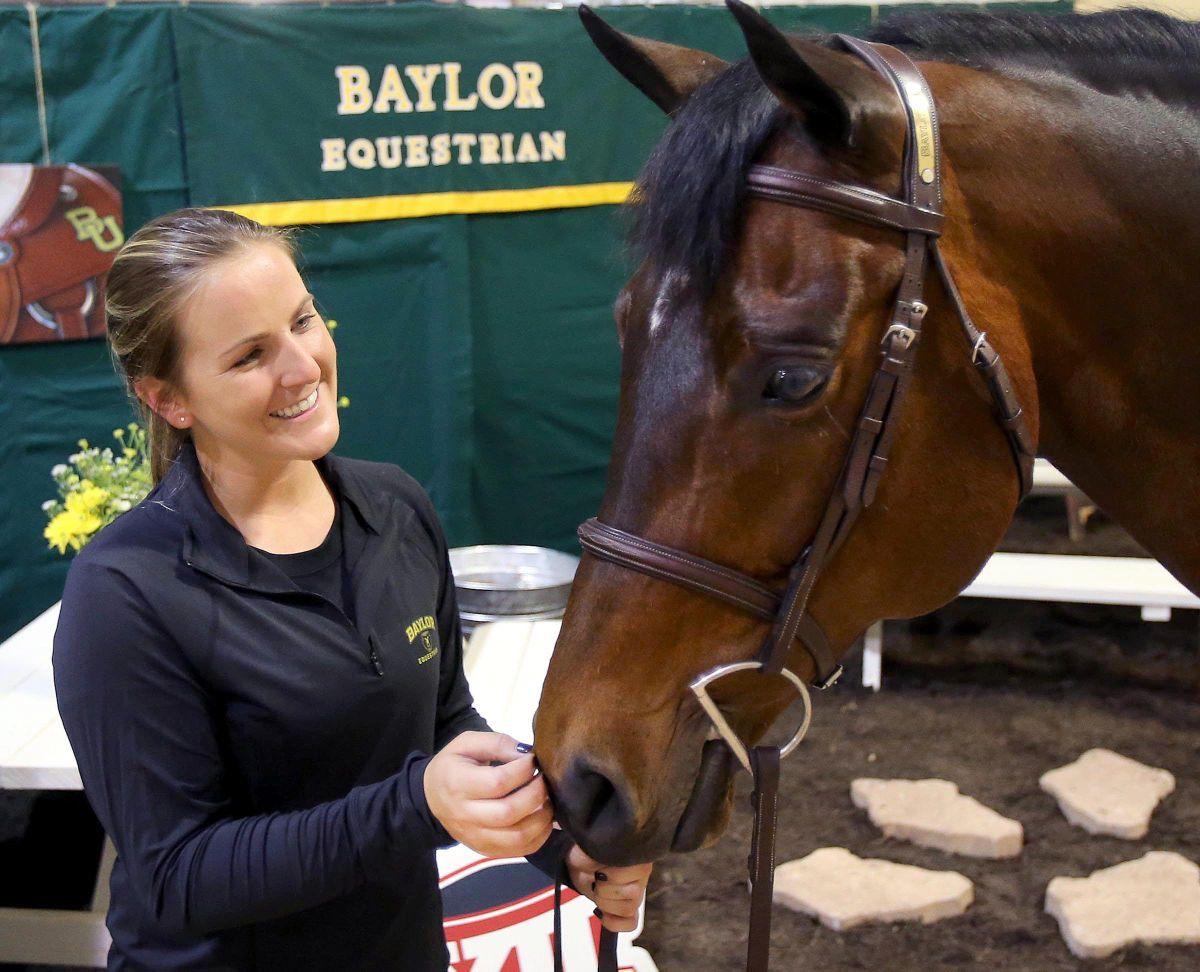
433,204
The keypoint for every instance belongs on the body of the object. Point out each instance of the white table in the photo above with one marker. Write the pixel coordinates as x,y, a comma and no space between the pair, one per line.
35,755
1068,578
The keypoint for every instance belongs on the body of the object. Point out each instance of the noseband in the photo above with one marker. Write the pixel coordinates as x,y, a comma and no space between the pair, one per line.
919,217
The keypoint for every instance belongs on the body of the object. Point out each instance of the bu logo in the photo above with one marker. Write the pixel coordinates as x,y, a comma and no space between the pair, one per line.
498,917
89,226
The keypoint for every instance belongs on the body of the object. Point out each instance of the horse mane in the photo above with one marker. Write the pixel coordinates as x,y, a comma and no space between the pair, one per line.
1117,51
686,201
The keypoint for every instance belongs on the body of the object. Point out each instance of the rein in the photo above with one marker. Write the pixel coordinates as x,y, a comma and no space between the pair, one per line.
919,216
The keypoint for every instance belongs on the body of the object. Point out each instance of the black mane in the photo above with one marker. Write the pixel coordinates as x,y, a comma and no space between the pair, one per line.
689,192
686,200
1113,48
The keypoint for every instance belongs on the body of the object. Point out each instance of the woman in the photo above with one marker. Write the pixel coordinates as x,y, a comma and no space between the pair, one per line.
255,663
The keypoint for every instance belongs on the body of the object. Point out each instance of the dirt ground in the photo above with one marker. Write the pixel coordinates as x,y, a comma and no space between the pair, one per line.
989,694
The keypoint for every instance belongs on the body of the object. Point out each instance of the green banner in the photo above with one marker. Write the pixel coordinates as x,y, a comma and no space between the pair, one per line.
358,113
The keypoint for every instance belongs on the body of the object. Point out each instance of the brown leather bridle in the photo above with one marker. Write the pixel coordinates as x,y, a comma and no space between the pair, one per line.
919,216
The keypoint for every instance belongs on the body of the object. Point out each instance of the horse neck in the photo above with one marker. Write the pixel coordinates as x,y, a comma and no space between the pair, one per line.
1082,211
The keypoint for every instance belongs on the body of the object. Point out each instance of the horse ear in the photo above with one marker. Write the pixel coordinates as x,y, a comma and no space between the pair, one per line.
829,91
664,73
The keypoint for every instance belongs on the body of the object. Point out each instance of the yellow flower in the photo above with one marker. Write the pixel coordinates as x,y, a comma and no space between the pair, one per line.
58,532
70,528
331,324
87,499
129,453
343,402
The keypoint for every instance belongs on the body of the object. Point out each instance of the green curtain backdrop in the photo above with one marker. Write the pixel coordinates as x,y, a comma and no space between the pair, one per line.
477,346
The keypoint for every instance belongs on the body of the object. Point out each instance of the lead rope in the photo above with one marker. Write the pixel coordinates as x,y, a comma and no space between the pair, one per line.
606,960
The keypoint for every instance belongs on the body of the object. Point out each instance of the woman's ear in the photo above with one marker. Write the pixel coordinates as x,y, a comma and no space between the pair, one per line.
161,400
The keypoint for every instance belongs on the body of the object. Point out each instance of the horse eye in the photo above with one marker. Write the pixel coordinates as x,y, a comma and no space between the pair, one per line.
795,384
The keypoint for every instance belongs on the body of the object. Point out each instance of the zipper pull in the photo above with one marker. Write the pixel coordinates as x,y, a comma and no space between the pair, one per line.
374,654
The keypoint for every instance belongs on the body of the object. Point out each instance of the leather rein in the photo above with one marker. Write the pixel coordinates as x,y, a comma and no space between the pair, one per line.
919,216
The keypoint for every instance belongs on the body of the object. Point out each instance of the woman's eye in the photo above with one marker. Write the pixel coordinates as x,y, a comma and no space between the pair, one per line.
305,321
249,357
795,384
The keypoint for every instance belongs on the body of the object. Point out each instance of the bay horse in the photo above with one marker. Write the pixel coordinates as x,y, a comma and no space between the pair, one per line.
750,332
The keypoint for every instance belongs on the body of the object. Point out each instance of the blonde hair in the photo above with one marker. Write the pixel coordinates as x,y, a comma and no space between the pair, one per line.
155,273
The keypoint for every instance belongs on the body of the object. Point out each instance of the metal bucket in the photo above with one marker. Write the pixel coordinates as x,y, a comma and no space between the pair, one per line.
497,581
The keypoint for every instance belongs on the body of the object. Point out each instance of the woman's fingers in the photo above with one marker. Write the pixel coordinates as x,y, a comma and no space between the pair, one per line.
623,900
627,875
618,891
475,782
518,841
617,923
512,809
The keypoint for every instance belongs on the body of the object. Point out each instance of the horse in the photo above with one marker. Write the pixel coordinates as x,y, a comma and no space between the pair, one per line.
749,335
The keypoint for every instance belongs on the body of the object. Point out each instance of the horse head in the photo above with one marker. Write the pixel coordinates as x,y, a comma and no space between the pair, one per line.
750,333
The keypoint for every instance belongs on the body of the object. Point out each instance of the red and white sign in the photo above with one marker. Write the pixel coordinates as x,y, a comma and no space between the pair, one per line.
499,917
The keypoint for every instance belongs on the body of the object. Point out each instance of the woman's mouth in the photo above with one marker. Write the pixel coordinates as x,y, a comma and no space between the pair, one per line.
300,408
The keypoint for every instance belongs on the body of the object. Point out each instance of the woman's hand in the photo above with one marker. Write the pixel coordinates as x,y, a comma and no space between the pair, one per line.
486,793
617,891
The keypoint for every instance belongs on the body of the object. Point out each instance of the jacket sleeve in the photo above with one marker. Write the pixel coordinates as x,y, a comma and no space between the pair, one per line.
145,735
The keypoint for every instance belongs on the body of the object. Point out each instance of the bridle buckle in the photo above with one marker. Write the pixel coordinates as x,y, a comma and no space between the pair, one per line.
905,336
725,731
981,342
829,681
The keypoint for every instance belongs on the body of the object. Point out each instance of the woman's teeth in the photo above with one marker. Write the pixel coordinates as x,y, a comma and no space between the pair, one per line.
299,408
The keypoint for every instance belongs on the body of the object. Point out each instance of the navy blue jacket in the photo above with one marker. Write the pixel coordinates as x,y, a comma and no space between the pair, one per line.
256,757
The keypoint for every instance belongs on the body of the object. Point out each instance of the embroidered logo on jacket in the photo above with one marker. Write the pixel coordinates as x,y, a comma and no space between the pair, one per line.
424,631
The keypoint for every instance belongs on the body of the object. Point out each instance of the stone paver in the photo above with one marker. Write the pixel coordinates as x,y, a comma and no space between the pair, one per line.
1155,899
842,890
1107,793
933,813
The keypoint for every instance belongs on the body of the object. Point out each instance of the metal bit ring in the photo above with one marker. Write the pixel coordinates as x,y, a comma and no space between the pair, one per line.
700,688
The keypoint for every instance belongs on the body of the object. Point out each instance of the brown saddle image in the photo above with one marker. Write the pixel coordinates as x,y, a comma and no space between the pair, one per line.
60,228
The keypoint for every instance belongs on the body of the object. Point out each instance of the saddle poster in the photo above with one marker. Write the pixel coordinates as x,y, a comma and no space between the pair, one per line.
60,228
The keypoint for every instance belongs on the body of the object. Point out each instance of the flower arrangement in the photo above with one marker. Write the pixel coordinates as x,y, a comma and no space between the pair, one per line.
96,486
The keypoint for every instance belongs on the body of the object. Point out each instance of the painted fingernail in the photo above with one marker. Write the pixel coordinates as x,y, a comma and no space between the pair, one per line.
524,747
601,876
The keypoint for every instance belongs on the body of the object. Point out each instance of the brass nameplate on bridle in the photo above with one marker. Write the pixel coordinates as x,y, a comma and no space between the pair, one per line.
922,117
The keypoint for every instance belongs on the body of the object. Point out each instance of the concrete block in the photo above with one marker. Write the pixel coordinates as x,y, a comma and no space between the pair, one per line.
1154,900
842,890
1107,793
933,813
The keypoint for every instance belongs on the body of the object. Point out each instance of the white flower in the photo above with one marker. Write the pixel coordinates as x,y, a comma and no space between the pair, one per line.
47,506
59,470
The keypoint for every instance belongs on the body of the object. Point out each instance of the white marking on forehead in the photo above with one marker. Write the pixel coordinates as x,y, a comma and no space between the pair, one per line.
672,282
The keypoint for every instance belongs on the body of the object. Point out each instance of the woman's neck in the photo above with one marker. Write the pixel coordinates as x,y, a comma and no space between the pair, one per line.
279,507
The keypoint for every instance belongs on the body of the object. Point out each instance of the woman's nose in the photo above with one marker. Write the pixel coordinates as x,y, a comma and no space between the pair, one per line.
298,366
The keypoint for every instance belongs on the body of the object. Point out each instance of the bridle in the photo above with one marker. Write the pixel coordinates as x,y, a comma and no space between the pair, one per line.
919,216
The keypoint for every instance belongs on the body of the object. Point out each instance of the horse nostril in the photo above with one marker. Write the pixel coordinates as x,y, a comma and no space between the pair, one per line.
594,808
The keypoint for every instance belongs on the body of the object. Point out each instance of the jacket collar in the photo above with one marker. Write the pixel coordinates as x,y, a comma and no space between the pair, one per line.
213,545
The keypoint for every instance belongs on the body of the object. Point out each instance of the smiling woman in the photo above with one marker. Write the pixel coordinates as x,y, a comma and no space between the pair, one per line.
158,270
255,663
